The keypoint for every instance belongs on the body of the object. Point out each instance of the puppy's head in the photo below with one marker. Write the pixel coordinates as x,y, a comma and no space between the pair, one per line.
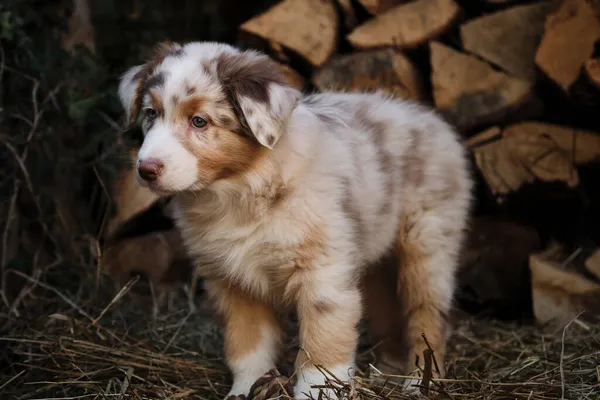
208,112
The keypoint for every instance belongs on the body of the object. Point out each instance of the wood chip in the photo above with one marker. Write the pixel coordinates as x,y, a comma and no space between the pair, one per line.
307,27
129,197
469,92
592,264
568,41
530,151
384,69
376,7
560,295
406,26
508,38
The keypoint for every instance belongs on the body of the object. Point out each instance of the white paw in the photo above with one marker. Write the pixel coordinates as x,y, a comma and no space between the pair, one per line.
235,393
310,377
412,385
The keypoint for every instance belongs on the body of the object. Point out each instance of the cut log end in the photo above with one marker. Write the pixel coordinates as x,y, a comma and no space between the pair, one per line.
406,26
308,28
470,93
568,41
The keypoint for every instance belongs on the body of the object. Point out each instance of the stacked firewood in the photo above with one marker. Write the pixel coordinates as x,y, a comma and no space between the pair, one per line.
519,80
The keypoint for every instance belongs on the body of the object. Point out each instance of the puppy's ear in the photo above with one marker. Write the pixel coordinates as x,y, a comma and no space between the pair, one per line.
133,82
261,97
129,92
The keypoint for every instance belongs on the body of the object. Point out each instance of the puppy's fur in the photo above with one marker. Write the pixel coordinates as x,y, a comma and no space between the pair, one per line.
285,200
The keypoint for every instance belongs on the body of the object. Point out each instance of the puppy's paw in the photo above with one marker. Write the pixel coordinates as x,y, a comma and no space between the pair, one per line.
235,397
312,383
271,385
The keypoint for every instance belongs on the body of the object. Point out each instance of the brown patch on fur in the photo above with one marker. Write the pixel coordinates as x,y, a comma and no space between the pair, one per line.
422,312
232,156
273,194
189,89
155,80
206,66
175,100
244,319
157,104
353,214
377,131
452,186
190,107
310,249
414,164
327,341
324,307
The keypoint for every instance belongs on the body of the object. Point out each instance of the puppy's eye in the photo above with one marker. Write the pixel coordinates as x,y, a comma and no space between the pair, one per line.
150,113
199,122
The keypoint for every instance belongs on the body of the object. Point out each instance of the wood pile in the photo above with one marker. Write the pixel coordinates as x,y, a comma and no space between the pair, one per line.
521,82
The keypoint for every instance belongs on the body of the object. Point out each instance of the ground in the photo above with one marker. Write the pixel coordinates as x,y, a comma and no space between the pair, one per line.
112,344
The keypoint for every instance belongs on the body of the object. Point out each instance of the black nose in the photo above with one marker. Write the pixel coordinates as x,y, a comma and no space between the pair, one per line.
149,169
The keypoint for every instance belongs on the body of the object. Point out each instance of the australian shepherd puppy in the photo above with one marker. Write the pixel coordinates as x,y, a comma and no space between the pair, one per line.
291,200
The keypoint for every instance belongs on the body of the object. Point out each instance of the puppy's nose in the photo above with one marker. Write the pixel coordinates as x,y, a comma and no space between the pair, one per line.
149,169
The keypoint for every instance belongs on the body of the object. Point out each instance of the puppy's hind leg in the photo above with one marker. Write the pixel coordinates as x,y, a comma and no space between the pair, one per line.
428,244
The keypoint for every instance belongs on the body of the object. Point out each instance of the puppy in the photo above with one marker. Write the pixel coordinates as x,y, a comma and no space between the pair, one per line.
284,200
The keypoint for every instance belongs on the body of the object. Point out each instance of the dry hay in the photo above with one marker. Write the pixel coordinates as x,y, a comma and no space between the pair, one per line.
124,348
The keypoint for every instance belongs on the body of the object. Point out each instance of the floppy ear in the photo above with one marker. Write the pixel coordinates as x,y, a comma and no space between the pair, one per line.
260,95
132,83
129,92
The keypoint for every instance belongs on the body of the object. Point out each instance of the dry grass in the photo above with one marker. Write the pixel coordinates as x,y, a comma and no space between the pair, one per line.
117,347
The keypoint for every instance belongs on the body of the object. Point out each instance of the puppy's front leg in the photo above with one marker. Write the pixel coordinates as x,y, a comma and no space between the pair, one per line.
252,335
329,311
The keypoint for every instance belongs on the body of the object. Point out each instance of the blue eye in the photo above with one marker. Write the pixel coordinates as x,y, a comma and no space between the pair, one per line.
199,122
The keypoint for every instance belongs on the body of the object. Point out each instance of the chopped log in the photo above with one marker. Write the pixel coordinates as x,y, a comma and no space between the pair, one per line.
592,71
508,38
529,151
385,69
568,41
306,27
129,197
292,76
559,295
469,92
494,266
407,25
376,7
592,264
